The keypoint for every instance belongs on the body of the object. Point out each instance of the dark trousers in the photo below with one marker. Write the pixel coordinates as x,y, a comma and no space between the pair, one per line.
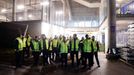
45,57
96,57
64,59
89,57
49,56
72,57
36,57
19,58
24,53
28,51
82,58
56,52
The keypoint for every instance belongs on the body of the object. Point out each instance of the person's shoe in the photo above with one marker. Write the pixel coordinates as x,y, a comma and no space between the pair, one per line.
84,67
89,68
72,65
98,65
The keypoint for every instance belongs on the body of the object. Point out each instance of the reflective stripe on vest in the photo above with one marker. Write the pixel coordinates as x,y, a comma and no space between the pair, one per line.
76,45
87,45
20,43
64,47
35,46
94,46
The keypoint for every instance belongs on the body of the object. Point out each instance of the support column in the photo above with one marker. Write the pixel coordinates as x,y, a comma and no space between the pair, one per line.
112,24
45,12
42,13
14,11
49,8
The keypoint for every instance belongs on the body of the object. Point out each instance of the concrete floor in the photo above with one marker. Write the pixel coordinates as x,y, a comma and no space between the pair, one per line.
107,68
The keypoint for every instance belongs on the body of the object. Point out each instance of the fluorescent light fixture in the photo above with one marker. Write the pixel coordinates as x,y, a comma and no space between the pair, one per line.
119,1
20,18
45,14
59,12
30,16
20,7
45,3
3,10
117,5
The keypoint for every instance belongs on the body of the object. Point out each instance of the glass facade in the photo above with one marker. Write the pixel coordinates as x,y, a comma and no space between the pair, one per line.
51,12
127,8
24,10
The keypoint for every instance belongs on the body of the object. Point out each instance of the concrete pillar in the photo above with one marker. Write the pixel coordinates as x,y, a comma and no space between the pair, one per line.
42,13
49,8
14,11
112,24
45,12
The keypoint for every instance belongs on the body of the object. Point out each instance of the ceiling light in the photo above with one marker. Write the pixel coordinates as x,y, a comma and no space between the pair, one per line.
117,5
20,18
59,12
45,14
30,15
3,10
20,7
119,1
45,3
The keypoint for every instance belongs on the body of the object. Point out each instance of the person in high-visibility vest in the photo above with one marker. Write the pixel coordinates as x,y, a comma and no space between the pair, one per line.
19,51
81,49
36,50
50,48
24,39
64,51
74,49
59,41
88,52
95,49
55,49
69,45
28,44
44,47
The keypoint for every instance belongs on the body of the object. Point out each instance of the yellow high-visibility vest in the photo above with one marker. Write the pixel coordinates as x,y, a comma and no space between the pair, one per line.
20,43
29,41
64,47
55,42
76,45
59,42
87,45
24,41
36,46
